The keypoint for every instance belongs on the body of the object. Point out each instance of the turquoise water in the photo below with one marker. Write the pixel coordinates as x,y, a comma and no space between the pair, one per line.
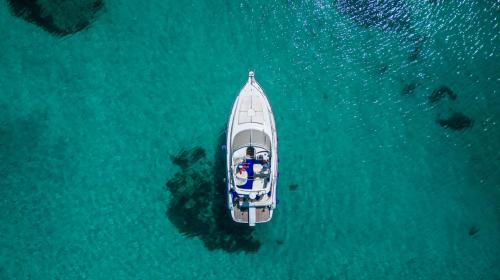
108,132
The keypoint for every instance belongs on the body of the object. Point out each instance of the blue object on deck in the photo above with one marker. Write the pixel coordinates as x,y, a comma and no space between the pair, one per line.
249,168
234,195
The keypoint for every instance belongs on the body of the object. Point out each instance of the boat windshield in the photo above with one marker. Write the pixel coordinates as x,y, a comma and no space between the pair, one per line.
251,137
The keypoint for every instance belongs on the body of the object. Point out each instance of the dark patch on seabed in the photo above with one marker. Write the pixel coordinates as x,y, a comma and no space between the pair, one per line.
23,141
390,15
441,92
198,204
409,89
473,230
19,140
294,187
417,43
382,69
58,17
435,2
457,121
453,119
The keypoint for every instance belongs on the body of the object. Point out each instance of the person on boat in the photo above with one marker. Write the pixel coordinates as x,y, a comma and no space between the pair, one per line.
250,152
250,161
247,166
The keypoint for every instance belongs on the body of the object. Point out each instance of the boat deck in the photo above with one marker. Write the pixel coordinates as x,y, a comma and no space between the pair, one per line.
262,214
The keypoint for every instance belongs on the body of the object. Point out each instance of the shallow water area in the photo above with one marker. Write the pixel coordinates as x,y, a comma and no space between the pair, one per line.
110,140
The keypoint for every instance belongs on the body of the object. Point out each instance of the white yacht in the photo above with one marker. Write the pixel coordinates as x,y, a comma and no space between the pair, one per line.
252,156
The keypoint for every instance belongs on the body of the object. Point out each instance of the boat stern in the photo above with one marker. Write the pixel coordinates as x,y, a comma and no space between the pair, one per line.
252,215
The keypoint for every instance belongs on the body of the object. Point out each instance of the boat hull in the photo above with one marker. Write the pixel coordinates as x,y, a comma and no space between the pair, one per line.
251,118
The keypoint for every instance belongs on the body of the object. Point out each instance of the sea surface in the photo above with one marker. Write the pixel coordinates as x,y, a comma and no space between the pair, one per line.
112,116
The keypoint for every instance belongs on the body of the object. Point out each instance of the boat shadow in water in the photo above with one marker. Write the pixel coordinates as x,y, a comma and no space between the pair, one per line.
198,202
